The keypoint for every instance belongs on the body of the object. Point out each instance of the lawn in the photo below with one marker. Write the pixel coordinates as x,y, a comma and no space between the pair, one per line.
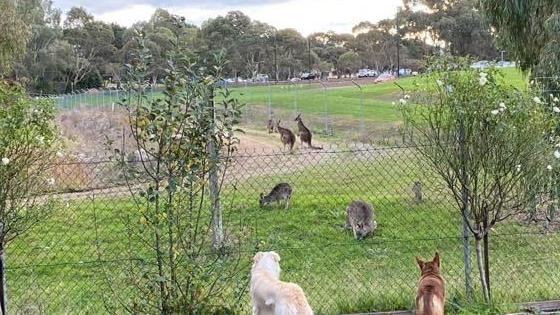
60,266
336,111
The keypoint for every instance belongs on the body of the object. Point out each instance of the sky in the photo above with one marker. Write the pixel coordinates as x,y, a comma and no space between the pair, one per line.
307,16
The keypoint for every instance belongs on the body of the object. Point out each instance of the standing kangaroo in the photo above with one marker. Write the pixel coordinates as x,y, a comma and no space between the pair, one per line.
286,136
305,134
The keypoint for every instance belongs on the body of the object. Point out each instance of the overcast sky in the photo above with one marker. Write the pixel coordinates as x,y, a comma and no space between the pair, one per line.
307,16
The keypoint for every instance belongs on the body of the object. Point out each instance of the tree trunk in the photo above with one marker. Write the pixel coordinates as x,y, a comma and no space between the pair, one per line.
487,259
3,287
481,269
467,261
217,219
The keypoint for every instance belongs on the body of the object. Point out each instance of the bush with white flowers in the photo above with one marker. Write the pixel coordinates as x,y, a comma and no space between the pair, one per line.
489,142
28,142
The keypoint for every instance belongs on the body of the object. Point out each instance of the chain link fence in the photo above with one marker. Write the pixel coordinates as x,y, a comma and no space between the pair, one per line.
71,261
338,109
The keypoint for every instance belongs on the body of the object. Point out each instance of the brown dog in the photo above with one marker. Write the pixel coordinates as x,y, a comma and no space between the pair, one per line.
430,299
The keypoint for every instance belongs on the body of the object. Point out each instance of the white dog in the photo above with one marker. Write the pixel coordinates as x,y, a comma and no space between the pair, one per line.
272,296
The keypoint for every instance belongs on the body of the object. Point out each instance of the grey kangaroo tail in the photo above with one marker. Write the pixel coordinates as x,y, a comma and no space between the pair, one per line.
315,148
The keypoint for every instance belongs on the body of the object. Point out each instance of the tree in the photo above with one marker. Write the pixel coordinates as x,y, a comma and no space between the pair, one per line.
182,264
93,45
28,146
349,63
530,32
13,37
485,140
40,67
455,23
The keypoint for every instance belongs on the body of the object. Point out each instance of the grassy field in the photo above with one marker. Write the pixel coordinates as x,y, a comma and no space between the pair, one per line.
341,111
60,266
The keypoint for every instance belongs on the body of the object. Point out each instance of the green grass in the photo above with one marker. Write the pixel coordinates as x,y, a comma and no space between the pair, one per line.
339,109
59,266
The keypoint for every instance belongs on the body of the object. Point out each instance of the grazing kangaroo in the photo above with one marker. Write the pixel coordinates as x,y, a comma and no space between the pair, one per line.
430,299
270,126
305,134
417,190
286,136
282,191
359,217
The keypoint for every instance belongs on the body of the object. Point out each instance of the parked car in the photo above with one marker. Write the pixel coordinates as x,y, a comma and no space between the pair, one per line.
405,72
367,73
308,76
384,77
261,78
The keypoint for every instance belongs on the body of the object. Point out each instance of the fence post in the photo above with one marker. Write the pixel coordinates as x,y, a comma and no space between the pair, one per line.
295,87
246,106
362,126
466,212
269,99
217,219
3,286
326,109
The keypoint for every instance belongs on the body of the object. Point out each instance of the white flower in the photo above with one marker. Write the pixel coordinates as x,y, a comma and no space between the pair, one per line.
59,154
393,103
551,95
557,154
502,107
439,82
406,96
402,101
532,82
449,88
537,100
494,112
483,74
41,139
556,109
5,160
482,81
518,167
549,167
50,181
555,100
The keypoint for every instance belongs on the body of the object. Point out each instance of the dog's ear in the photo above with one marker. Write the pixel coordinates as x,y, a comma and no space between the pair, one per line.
258,256
420,263
436,259
275,256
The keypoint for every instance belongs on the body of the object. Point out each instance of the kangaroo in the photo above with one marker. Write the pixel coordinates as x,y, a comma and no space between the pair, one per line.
270,126
305,134
359,217
430,299
417,190
282,191
286,136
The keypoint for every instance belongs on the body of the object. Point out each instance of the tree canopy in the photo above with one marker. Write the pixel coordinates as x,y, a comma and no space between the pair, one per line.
81,52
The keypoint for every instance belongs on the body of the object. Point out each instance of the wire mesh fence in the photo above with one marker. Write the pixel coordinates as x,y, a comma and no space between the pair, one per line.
81,257
345,109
